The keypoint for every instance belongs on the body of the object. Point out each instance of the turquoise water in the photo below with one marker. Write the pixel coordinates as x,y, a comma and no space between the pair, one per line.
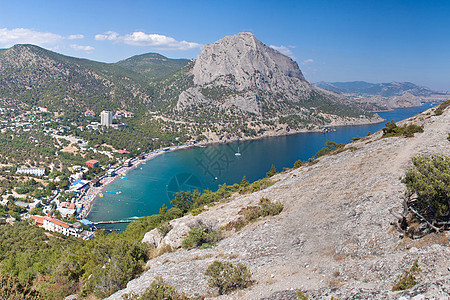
150,185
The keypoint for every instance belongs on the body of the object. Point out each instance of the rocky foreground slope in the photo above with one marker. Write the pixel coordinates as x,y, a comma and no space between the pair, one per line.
333,238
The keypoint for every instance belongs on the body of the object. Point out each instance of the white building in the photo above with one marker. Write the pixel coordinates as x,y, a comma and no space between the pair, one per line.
106,118
55,225
31,171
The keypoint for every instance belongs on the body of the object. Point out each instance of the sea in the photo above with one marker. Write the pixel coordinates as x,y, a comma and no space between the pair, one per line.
147,187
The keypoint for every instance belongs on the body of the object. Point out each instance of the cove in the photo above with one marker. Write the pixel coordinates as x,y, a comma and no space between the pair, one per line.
149,186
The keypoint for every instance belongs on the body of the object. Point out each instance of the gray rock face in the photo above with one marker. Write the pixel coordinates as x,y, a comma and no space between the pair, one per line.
248,61
243,72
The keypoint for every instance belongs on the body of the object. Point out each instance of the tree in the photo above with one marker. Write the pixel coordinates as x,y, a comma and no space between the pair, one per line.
428,189
272,171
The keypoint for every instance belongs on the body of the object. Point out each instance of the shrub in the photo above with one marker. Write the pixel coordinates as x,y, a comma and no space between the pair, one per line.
298,164
442,107
158,290
202,237
408,278
164,229
227,278
391,129
253,213
429,180
272,171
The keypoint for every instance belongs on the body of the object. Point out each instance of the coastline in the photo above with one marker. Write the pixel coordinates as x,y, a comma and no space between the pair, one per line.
89,196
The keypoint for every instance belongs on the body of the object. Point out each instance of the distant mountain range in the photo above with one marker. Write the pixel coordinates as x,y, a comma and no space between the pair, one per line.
363,88
385,95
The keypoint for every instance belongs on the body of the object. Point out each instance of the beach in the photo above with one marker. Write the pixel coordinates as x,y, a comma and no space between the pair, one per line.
88,197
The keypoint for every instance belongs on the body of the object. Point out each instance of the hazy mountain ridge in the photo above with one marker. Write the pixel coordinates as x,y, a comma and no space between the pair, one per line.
391,95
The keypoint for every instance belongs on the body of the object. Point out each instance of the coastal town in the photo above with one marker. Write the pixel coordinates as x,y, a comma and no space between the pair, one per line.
59,196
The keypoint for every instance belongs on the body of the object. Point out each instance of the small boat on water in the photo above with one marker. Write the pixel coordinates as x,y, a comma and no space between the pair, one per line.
100,195
238,153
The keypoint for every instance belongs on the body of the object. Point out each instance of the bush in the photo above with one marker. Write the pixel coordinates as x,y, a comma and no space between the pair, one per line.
442,107
158,290
391,129
253,213
227,278
298,164
429,181
272,171
408,278
202,237
164,229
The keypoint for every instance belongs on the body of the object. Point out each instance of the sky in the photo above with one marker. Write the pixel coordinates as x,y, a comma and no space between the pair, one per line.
374,41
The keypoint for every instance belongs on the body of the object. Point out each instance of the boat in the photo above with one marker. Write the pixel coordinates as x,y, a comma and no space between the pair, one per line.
238,153
100,195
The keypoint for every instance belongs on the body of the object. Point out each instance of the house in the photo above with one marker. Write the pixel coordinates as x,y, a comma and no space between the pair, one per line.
92,163
89,113
39,220
55,225
111,172
79,184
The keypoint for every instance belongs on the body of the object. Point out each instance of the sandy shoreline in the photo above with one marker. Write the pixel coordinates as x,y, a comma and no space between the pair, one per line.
89,196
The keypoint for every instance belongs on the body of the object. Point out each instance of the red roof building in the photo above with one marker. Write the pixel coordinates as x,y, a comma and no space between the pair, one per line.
89,113
92,163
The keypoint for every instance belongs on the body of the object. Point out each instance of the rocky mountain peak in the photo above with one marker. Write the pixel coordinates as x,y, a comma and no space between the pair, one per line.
245,60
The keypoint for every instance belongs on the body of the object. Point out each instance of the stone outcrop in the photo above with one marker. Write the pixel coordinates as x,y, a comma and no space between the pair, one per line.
334,236
240,71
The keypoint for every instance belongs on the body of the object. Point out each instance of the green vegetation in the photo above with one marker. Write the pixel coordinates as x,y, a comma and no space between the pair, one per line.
253,213
408,278
227,278
200,237
330,147
428,187
301,296
391,129
158,290
271,172
56,265
442,107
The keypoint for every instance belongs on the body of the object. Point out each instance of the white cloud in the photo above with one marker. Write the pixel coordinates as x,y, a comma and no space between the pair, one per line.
285,50
109,35
308,61
157,41
75,37
81,48
11,37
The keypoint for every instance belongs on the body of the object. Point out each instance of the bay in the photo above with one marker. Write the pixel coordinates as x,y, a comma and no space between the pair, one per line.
147,187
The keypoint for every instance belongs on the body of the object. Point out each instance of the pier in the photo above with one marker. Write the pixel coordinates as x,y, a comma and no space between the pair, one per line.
111,222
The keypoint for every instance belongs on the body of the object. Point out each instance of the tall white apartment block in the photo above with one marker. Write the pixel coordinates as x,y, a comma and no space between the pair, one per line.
106,118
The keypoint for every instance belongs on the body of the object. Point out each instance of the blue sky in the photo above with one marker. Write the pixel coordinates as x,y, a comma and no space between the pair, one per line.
375,41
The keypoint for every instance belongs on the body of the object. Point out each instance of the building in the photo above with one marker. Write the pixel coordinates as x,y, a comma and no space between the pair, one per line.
89,113
31,171
92,163
56,225
111,172
79,184
123,113
106,118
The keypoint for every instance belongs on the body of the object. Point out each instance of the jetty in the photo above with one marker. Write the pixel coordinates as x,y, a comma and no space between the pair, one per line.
111,222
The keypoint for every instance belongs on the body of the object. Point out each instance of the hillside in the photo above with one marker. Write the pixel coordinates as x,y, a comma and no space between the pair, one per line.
38,77
153,66
334,236
385,95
